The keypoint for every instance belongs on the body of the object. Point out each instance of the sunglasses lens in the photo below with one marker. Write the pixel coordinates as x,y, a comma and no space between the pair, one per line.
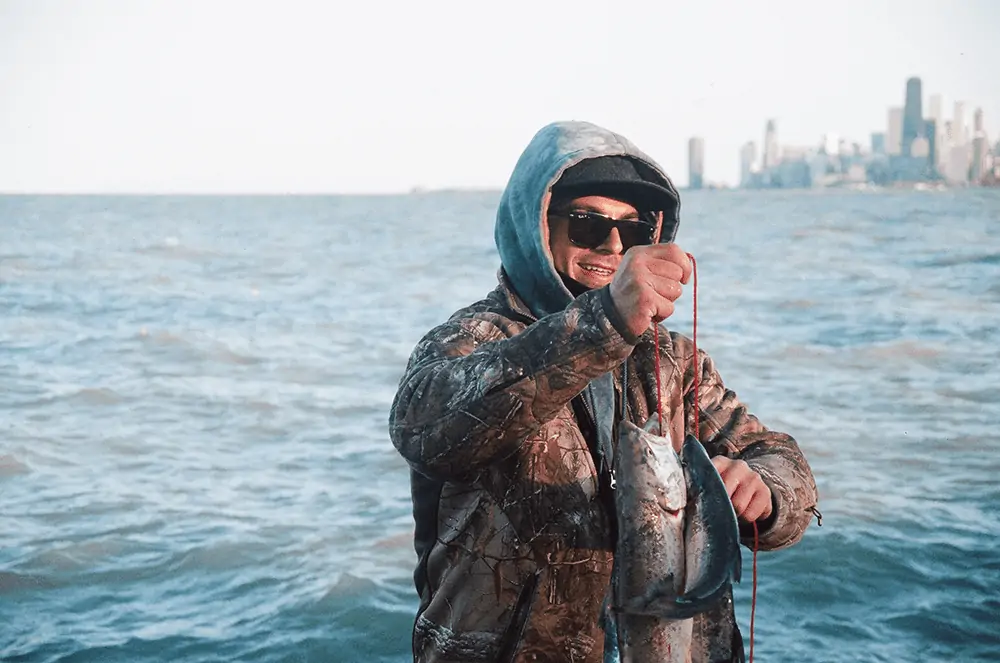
589,231
634,234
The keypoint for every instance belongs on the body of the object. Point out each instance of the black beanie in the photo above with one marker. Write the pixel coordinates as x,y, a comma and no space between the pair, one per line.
620,178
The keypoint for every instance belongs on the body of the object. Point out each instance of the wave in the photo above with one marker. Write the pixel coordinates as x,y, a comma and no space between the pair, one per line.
208,349
969,259
986,396
97,396
11,466
172,248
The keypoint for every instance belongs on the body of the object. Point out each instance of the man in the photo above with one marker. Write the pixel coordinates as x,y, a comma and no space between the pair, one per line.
501,409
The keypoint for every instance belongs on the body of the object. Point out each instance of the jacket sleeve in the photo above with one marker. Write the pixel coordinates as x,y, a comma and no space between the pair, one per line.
727,428
473,392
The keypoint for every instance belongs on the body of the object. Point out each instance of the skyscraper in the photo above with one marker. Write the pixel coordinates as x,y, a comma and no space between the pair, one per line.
935,132
931,133
878,142
934,108
913,115
980,148
696,163
770,145
894,136
748,157
958,125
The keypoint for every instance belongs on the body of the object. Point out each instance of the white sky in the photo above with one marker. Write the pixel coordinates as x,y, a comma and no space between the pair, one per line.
284,96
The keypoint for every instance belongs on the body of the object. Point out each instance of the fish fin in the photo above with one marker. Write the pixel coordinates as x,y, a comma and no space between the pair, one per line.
657,600
711,536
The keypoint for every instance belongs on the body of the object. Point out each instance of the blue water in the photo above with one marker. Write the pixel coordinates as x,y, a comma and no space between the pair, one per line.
194,463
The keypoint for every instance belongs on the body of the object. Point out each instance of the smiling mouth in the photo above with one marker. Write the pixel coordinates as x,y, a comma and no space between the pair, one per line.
600,271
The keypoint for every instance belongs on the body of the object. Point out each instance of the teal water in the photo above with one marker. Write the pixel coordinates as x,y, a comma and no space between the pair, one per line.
194,463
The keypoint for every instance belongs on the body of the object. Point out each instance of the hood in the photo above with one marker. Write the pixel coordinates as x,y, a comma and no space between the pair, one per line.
521,233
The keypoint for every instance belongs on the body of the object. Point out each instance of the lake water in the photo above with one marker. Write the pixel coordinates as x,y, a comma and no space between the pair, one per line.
194,459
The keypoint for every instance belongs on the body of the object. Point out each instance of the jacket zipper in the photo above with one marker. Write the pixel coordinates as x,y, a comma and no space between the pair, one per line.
606,464
519,620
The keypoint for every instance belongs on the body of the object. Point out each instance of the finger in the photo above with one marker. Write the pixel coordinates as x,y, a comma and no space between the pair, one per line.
721,463
655,258
663,310
682,259
730,480
665,268
759,507
742,498
688,267
670,253
664,287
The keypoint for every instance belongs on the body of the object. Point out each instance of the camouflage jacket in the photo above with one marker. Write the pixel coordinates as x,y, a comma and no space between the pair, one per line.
514,520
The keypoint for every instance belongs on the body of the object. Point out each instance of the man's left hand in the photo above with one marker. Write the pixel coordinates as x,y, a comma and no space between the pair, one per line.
750,495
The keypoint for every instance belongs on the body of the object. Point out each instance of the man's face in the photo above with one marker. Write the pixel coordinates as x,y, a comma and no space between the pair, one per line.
593,267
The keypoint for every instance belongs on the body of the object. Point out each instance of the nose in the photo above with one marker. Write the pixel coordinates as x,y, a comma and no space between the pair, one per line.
612,244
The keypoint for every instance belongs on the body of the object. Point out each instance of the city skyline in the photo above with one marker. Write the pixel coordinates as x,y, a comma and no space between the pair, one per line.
913,147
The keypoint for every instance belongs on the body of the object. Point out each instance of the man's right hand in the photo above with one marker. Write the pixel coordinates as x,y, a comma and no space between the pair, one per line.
647,284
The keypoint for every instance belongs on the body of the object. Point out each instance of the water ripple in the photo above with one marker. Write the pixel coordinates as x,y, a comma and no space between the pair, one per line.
195,465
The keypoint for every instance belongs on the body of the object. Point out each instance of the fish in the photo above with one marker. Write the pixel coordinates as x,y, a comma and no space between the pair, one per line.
677,551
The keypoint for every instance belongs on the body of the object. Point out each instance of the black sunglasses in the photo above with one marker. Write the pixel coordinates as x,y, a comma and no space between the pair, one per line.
589,230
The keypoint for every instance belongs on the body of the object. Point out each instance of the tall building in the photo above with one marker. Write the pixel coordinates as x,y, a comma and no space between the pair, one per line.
894,136
980,148
696,163
748,159
980,156
958,137
931,133
934,108
771,155
878,142
935,133
957,168
913,114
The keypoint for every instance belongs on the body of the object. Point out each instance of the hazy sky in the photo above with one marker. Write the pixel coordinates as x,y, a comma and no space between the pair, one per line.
218,95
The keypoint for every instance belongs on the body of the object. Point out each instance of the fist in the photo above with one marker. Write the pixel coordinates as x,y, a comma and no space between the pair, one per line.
750,495
647,284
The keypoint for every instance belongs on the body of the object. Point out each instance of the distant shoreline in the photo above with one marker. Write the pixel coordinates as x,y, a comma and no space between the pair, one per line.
418,192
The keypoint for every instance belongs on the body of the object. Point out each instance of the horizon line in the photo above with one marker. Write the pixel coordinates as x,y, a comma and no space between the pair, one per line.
414,191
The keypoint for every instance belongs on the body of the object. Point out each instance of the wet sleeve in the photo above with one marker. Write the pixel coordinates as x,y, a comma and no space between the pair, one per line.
727,428
472,393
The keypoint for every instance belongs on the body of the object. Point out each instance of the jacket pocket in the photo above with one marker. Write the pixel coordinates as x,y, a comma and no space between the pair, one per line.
511,639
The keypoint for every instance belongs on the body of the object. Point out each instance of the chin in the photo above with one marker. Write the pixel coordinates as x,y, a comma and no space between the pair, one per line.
593,281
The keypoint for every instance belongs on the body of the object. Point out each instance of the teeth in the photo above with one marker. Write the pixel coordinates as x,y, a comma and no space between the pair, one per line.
596,270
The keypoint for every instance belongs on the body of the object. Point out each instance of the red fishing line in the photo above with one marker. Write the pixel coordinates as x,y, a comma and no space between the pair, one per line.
753,601
694,388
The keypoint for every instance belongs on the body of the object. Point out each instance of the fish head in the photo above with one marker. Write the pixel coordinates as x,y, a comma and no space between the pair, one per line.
665,479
